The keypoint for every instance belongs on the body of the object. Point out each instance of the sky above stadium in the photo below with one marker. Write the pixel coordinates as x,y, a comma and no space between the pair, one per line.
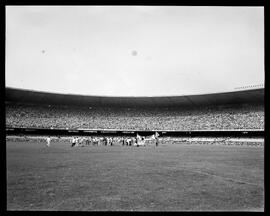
134,50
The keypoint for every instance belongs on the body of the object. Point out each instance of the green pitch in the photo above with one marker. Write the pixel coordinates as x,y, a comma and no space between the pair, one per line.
164,178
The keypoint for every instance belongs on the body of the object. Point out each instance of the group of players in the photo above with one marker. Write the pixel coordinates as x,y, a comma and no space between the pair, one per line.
110,141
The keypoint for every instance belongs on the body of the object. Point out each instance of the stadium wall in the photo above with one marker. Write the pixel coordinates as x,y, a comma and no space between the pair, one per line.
133,133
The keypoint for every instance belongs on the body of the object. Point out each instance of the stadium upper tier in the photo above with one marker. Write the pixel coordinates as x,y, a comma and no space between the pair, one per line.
237,110
246,96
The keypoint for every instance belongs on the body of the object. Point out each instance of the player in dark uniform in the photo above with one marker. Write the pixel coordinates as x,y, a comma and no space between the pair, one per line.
157,141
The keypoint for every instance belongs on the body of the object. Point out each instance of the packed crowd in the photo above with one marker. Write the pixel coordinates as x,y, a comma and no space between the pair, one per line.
205,118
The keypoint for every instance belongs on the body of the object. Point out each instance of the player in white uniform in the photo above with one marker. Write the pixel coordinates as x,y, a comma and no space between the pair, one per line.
73,141
48,141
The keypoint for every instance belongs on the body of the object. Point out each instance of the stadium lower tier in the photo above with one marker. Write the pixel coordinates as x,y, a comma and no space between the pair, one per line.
206,118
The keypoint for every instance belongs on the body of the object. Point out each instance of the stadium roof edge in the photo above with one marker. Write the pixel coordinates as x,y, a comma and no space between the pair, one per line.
107,96
39,97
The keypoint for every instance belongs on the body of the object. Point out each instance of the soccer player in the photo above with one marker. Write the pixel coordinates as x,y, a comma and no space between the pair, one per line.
87,141
157,141
48,141
128,142
73,142
143,141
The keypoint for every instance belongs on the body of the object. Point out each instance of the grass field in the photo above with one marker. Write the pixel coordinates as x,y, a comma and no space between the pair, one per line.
164,178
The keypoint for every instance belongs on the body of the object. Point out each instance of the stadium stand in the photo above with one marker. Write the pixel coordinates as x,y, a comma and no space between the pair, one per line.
243,116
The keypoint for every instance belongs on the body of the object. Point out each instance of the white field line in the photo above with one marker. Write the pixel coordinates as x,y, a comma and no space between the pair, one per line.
221,177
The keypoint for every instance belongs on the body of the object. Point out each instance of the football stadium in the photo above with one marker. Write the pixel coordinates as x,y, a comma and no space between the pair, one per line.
213,164
116,137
